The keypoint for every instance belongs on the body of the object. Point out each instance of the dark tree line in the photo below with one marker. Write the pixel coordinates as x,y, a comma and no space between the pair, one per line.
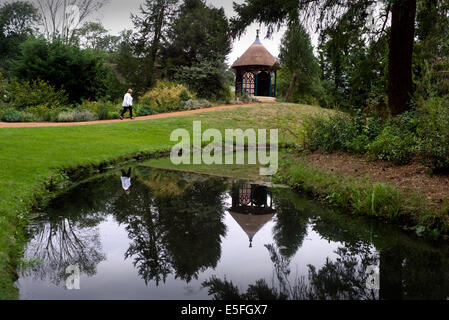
335,19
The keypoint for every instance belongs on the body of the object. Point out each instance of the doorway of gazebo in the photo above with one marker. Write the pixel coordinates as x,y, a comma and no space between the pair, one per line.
263,84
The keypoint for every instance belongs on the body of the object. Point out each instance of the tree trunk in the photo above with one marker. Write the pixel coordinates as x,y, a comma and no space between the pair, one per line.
290,88
400,84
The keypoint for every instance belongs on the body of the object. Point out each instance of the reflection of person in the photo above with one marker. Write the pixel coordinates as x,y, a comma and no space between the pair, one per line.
126,180
127,104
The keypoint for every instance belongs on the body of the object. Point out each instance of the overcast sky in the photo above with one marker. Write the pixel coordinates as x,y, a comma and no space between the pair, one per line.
115,16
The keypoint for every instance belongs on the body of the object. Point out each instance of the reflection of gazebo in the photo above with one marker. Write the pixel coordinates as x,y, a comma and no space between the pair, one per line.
250,208
255,71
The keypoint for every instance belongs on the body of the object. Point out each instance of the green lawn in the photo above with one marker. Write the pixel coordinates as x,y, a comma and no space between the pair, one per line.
29,156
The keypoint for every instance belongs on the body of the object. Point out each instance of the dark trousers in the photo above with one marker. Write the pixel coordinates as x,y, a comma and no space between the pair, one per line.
126,173
130,111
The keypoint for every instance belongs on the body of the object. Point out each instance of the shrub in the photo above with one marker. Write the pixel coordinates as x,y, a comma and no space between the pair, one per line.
27,117
83,115
329,134
433,133
394,144
102,112
113,115
82,73
207,78
66,116
25,94
165,96
11,115
144,110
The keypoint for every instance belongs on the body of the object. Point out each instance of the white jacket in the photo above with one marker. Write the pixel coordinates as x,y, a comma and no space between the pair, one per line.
127,100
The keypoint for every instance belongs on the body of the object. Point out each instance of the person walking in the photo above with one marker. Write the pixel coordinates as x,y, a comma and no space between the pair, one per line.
127,104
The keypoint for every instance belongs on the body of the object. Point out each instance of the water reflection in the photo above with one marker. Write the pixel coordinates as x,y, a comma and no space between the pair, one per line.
252,207
178,226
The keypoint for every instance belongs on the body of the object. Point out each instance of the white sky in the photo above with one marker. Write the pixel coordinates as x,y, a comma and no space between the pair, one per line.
115,16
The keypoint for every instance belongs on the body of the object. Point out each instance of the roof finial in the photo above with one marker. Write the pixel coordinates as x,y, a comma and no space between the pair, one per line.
257,37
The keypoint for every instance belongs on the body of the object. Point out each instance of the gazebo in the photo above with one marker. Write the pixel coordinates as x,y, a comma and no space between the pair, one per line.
256,71
252,207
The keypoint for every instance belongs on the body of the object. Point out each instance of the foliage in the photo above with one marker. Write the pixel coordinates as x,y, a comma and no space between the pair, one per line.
93,35
340,132
395,145
165,96
207,79
66,116
199,32
152,26
11,115
433,132
81,73
102,112
145,110
25,94
17,21
298,60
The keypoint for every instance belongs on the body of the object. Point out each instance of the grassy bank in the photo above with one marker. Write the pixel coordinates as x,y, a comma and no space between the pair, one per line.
362,196
32,157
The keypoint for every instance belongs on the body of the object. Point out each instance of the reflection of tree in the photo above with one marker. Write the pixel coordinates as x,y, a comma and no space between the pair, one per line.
290,228
345,278
59,244
174,232
342,279
194,226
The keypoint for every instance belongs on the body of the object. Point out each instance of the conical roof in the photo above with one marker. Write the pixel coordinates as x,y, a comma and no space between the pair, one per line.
256,55
251,224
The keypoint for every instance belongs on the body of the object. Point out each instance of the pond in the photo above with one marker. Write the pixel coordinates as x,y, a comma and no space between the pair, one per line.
177,235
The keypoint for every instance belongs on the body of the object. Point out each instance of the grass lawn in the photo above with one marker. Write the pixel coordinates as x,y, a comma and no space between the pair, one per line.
29,156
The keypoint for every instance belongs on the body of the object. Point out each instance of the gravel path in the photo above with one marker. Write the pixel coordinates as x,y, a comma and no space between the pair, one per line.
156,116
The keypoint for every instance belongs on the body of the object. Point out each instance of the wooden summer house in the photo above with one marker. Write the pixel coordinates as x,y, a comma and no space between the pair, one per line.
256,71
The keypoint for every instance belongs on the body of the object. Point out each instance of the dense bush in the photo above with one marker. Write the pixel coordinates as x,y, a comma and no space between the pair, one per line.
197,104
166,96
81,73
66,116
340,132
83,115
207,79
102,112
433,132
11,115
23,94
144,110
394,144
418,134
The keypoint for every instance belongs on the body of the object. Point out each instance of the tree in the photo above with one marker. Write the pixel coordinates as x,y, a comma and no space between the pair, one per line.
152,25
400,83
60,18
199,32
199,42
296,54
326,12
93,35
81,73
17,22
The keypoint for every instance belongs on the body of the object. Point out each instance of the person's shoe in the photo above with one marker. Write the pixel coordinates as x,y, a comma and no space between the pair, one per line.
132,118
121,118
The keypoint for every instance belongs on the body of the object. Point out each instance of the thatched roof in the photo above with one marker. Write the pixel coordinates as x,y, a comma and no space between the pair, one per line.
256,55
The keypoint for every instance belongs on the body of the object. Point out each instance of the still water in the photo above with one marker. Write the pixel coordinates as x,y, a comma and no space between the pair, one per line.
176,235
